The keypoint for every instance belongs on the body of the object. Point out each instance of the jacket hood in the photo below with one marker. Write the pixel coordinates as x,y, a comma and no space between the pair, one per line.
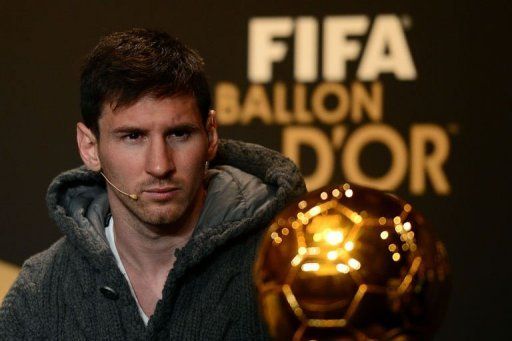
250,185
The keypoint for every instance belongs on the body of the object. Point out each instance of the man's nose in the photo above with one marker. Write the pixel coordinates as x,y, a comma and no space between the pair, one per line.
160,161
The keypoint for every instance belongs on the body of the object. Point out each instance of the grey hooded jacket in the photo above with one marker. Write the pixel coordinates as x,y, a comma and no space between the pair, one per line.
75,291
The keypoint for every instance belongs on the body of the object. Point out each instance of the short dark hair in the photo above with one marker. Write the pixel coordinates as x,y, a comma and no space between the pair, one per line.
125,66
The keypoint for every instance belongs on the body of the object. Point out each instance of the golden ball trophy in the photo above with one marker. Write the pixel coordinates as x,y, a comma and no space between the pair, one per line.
351,263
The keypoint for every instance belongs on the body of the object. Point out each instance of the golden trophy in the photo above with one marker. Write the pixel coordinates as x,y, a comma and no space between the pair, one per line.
351,263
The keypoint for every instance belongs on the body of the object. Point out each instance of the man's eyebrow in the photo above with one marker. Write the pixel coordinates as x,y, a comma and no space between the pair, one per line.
184,126
130,128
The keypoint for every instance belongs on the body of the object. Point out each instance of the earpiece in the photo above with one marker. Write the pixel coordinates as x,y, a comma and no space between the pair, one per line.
132,196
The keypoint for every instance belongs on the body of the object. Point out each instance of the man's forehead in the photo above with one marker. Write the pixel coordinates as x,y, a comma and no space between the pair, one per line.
176,108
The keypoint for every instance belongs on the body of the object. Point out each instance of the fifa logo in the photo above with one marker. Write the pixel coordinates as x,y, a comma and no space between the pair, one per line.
386,49
324,82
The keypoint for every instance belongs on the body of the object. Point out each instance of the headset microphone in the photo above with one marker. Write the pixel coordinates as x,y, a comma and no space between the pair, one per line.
131,196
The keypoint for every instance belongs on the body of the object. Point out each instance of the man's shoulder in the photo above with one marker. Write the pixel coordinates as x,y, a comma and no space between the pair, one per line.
34,269
27,295
270,166
46,256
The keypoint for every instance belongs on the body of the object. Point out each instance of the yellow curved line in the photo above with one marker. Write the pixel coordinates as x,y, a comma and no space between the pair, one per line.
8,273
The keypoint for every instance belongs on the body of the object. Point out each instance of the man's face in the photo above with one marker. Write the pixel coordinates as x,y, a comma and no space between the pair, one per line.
156,149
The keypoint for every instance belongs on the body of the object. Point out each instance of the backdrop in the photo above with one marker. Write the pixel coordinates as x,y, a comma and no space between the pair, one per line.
412,97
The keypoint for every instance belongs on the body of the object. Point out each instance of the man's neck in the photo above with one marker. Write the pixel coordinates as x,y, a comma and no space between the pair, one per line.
147,251
150,249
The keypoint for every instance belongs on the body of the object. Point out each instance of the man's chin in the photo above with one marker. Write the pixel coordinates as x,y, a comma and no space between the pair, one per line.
159,219
161,216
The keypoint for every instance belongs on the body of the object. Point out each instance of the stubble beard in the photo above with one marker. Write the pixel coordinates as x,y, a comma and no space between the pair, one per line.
154,213
162,216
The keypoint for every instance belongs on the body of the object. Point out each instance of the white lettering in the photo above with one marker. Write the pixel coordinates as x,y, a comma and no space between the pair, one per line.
386,51
263,50
306,49
432,165
338,49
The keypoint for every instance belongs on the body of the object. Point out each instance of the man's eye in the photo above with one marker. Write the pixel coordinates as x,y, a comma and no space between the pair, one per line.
133,136
180,134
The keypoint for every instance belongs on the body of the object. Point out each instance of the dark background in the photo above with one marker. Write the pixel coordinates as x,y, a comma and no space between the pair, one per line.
461,50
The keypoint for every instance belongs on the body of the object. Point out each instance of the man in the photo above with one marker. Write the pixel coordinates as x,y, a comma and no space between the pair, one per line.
158,244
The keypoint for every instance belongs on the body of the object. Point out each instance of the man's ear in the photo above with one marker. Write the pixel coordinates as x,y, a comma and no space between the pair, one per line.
88,147
213,137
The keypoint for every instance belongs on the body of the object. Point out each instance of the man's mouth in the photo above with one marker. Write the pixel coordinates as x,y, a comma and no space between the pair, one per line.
160,193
